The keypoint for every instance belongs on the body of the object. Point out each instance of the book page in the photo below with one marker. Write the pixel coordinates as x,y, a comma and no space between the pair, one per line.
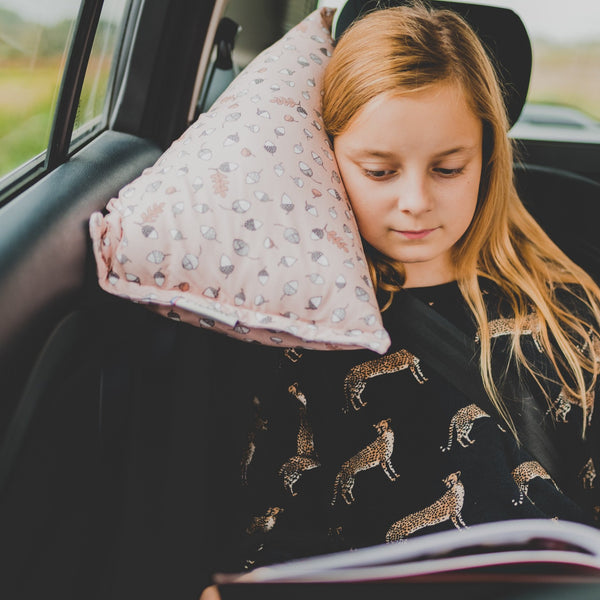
506,542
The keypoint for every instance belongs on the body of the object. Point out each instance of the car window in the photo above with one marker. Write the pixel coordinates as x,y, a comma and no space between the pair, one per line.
34,38
263,23
95,94
563,103
245,30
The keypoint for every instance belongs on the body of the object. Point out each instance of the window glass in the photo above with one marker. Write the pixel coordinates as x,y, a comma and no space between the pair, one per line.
261,23
93,103
34,38
564,93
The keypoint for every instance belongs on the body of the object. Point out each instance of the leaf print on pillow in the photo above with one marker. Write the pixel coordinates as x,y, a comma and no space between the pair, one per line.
220,184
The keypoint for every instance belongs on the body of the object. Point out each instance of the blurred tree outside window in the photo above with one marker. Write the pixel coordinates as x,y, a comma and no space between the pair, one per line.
564,93
35,37
33,50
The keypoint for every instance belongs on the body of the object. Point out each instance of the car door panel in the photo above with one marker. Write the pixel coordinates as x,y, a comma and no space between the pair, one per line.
44,247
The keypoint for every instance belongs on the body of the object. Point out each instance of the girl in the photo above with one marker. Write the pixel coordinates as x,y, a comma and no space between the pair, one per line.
350,449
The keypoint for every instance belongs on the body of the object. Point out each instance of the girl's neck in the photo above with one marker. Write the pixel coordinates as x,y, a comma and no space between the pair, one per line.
416,278
429,273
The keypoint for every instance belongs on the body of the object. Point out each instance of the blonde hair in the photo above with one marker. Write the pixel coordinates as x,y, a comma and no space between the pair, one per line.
407,49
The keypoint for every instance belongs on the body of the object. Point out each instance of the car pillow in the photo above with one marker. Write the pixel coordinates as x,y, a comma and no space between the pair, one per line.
243,225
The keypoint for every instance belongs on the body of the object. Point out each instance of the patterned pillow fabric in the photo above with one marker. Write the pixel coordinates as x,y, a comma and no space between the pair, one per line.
243,225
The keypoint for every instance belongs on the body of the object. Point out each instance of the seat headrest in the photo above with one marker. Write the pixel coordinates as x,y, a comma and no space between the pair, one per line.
500,29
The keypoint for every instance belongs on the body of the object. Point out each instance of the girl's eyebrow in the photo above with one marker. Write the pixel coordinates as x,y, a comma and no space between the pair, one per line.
372,153
365,152
457,150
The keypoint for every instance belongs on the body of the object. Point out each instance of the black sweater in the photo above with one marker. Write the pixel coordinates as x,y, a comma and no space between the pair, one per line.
347,449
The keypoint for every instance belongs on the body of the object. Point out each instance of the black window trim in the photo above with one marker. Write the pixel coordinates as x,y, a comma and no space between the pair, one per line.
72,82
92,128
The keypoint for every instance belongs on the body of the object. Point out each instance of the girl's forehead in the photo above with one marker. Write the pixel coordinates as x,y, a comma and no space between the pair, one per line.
440,93
443,106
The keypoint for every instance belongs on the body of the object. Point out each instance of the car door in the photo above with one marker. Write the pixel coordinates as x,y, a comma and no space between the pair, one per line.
109,85
103,483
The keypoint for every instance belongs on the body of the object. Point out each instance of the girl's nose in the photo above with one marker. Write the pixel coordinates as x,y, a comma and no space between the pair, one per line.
413,194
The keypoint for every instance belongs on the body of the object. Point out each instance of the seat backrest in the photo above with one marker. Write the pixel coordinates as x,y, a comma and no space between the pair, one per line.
560,201
500,29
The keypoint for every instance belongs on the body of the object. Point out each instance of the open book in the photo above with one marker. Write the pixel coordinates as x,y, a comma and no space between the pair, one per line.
569,548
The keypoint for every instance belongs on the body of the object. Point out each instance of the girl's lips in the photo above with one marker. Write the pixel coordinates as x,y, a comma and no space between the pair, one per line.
415,234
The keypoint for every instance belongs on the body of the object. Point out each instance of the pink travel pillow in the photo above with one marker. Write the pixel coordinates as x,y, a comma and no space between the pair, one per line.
243,225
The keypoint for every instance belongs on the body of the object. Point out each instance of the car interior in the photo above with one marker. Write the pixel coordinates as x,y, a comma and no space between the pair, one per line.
109,412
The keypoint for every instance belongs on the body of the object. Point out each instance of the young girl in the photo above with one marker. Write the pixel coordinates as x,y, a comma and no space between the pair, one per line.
349,449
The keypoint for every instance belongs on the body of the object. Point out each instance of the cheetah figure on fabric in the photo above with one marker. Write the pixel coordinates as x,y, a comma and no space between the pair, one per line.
462,424
562,405
258,425
356,379
594,352
531,326
306,457
523,474
376,453
266,522
447,508
587,475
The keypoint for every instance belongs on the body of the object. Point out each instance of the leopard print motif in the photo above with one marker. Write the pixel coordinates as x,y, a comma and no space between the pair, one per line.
356,379
259,425
531,326
594,352
561,407
264,523
292,354
448,507
462,424
596,348
306,457
376,453
588,474
523,474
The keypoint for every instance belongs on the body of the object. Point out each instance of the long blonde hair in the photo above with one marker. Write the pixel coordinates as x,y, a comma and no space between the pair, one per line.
407,49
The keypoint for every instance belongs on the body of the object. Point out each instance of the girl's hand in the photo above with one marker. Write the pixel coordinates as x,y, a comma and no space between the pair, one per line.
210,593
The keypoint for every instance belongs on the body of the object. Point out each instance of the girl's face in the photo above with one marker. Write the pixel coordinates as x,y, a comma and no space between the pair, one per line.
411,165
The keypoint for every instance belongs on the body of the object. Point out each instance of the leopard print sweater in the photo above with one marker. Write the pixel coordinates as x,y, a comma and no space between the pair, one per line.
352,449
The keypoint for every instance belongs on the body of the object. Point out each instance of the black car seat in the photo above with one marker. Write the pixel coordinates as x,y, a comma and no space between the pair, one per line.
559,200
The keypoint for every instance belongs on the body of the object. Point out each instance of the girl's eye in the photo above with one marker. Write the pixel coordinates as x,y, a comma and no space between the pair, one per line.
377,174
448,172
